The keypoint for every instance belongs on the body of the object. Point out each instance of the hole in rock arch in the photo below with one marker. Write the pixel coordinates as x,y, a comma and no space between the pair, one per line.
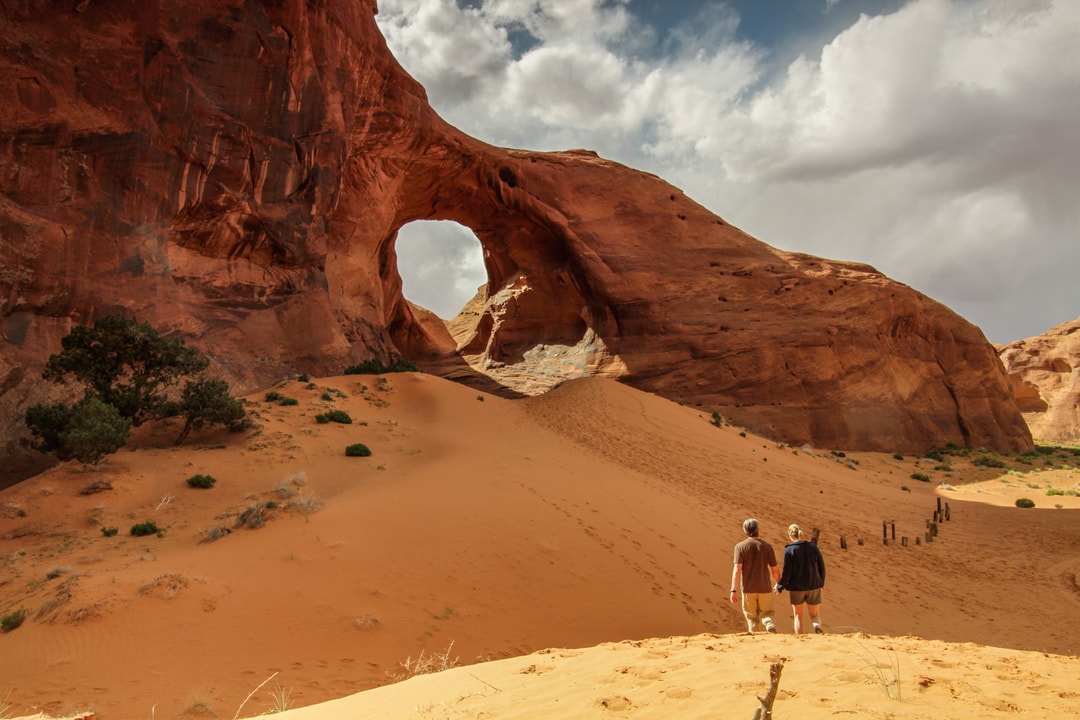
441,264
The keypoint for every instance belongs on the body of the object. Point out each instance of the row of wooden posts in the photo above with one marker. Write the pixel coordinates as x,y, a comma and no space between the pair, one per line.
941,515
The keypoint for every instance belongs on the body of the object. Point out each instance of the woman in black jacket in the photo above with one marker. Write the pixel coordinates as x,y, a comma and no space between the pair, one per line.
803,578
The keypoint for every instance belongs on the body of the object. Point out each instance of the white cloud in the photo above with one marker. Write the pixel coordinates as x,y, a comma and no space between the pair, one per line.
936,142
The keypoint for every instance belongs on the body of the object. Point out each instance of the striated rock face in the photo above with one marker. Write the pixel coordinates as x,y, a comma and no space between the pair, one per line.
1045,375
236,171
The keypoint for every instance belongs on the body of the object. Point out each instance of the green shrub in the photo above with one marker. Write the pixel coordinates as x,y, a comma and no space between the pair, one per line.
273,396
905,488
201,481
110,531
376,367
988,460
327,397
1055,491
13,619
289,401
897,456
358,450
303,378
145,528
922,477
944,467
717,418
839,453
207,402
338,416
1025,503
95,429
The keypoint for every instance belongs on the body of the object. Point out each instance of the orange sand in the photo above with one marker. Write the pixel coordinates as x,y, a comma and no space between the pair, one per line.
594,515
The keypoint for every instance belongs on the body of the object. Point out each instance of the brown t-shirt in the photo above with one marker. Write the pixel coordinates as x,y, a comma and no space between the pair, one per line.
756,557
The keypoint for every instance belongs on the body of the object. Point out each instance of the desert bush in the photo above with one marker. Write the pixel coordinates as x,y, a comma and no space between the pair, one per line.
110,531
897,456
253,517
988,460
376,367
338,416
717,419
1025,503
921,477
289,401
944,467
305,504
13,619
838,453
213,534
1055,491
145,528
201,481
358,450
303,377
273,396
905,488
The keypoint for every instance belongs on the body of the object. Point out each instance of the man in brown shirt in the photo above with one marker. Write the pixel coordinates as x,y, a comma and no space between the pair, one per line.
756,573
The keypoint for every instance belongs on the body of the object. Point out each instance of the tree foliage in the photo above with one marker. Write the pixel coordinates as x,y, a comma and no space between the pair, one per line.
128,371
206,402
94,430
125,363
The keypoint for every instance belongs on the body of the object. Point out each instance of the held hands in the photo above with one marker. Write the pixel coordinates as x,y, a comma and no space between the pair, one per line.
778,589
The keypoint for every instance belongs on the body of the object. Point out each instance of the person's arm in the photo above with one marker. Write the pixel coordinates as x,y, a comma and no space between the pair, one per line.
736,572
785,577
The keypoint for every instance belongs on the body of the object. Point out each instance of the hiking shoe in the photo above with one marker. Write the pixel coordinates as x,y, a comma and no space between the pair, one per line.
772,629
818,630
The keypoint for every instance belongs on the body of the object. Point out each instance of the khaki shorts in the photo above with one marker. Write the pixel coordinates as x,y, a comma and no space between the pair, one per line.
810,597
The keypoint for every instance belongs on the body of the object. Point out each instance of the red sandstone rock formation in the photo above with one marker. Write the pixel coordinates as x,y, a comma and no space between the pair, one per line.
236,172
1045,375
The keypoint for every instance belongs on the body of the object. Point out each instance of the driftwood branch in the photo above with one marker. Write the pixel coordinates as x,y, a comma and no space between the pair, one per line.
765,711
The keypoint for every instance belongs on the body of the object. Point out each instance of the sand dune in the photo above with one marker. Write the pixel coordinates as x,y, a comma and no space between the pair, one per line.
593,515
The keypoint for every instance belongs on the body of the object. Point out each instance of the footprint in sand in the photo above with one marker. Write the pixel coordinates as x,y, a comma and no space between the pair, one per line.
618,703
678,693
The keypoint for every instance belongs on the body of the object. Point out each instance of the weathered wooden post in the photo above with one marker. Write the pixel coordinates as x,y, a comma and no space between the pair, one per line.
947,511
903,541
814,537
843,543
893,527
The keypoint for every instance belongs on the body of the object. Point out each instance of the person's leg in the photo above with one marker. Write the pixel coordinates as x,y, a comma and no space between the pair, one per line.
765,601
815,616
749,612
796,612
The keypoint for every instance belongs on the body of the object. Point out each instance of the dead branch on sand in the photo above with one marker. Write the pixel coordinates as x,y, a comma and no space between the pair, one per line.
765,711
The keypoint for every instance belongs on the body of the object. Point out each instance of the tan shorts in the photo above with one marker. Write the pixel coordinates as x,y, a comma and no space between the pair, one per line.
810,597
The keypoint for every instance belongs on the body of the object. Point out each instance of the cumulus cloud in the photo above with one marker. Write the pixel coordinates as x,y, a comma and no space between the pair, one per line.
935,142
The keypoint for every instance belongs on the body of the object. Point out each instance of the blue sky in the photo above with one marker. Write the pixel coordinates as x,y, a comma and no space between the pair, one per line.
932,139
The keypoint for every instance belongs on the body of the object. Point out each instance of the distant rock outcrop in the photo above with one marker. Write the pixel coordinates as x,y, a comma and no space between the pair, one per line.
236,172
1045,375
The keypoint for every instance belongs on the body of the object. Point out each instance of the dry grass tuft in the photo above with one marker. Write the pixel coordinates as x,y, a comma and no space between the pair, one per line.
253,518
427,663
214,533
